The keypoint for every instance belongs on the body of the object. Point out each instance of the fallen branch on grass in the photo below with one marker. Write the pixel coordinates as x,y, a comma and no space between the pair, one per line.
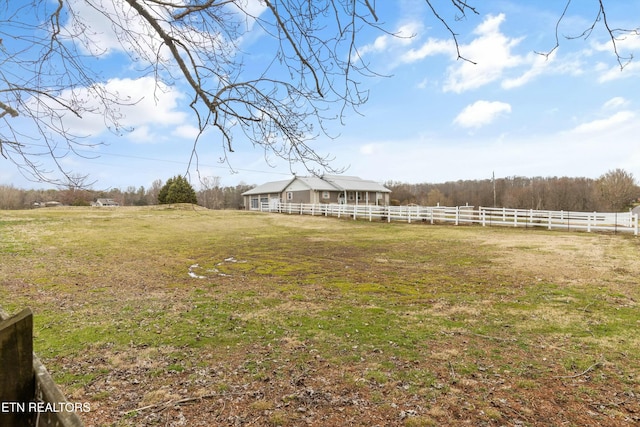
589,369
493,338
165,405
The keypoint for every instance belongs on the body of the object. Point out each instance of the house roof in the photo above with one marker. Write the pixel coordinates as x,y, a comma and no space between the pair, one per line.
268,188
353,183
323,183
317,183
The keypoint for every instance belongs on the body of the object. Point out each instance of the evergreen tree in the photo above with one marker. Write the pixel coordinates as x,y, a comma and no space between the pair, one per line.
177,190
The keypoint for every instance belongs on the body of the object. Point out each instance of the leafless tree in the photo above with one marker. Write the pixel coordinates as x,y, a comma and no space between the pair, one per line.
152,193
617,189
50,70
11,197
210,195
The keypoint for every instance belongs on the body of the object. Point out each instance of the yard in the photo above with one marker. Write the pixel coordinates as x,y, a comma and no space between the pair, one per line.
184,316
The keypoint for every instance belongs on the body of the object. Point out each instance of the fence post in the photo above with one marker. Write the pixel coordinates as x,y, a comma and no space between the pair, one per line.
17,379
457,215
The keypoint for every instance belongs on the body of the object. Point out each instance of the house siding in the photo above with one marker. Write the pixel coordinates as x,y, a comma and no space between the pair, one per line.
300,196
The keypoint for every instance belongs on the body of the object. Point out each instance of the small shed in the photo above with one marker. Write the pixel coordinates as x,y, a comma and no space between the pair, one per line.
105,203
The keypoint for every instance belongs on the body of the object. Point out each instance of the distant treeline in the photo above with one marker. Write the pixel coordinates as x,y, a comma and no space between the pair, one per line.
211,195
614,191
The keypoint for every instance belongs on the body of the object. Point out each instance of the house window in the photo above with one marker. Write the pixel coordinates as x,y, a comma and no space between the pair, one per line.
325,195
289,195
351,196
254,203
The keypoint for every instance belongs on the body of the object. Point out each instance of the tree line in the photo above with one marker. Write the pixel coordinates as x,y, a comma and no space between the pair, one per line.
616,190
210,195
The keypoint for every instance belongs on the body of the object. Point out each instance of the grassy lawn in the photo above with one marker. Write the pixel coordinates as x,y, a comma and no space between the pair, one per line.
183,316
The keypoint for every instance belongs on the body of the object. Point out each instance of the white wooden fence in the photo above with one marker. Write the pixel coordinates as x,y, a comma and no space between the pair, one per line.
567,220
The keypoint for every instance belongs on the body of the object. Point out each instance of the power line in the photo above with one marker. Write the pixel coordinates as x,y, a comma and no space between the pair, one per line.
151,159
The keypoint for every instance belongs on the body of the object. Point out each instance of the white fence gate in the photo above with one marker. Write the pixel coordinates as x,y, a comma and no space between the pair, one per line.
567,220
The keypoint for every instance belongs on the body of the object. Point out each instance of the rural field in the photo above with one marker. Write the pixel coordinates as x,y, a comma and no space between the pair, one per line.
188,317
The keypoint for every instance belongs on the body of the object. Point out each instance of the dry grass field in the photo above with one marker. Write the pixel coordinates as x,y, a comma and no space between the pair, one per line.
188,317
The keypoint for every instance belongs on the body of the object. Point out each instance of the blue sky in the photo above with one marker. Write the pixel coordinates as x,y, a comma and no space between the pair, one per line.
435,118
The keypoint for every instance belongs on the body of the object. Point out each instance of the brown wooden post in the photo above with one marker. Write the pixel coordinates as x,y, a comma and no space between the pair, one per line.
17,379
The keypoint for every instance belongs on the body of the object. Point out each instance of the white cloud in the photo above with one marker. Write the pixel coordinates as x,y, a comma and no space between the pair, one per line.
488,57
431,47
145,107
605,124
112,27
493,52
186,132
371,149
404,36
539,65
481,113
625,44
615,102
631,69
141,134
253,8
155,103
625,48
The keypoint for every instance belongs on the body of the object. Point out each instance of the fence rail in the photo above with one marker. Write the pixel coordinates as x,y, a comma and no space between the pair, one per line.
25,383
568,220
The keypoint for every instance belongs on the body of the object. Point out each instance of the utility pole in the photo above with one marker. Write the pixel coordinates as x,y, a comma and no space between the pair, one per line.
493,179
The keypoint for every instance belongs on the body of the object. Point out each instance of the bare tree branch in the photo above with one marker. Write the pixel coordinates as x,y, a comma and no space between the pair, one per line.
312,73
615,34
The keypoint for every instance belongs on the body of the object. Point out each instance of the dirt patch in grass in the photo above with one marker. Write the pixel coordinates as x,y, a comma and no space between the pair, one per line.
325,322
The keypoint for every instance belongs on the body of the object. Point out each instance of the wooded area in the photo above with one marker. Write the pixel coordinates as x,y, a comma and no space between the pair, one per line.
212,197
615,190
